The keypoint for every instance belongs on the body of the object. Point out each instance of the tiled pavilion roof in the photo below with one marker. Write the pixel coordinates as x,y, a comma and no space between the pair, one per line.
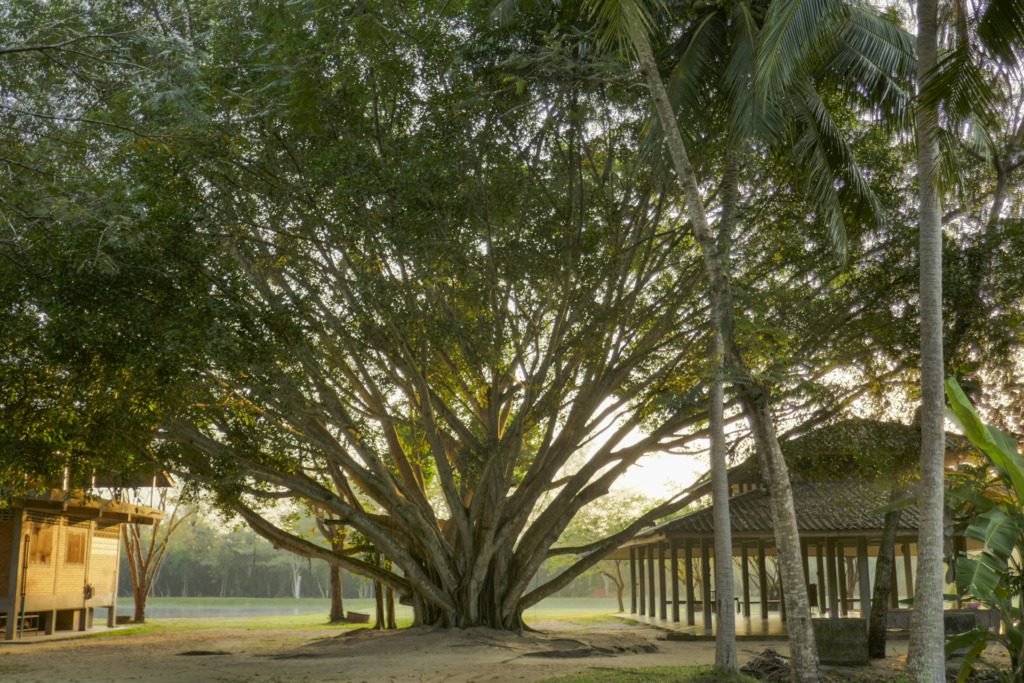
822,507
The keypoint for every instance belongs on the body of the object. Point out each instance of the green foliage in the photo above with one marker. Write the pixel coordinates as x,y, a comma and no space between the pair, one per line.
993,577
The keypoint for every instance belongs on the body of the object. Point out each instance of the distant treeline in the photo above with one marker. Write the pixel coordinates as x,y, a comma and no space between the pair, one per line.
205,559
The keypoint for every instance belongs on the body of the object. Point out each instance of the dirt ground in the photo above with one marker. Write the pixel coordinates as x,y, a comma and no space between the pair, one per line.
296,656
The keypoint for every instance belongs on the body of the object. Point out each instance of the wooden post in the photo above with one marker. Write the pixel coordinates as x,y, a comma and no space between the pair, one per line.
652,595
762,577
843,588
705,575
894,593
819,561
908,572
745,577
865,579
688,557
112,614
804,556
833,588
662,592
15,576
632,580
673,565
642,583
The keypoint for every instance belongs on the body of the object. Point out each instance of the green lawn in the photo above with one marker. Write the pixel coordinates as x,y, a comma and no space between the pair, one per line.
189,614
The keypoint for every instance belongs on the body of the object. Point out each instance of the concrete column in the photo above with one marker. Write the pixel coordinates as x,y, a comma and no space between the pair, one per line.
833,580
632,580
762,577
690,597
865,579
819,561
652,596
642,583
674,574
745,579
662,592
894,593
705,574
843,588
908,570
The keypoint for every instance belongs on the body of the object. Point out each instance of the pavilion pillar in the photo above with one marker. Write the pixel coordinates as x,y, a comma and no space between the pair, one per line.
662,592
652,597
843,587
762,577
782,593
705,579
908,571
632,580
688,557
894,591
833,588
745,577
804,556
641,583
865,579
819,561
673,565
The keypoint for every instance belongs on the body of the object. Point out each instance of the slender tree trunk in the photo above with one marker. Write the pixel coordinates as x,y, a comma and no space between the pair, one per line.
803,649
925,657
884,568
725,636
140,606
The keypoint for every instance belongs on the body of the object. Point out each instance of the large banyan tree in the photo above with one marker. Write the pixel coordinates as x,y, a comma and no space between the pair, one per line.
438,304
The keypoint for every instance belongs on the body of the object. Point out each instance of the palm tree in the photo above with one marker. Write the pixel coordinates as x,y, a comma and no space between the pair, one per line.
925,658
877,63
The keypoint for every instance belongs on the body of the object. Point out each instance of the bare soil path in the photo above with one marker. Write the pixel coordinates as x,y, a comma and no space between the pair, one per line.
318,656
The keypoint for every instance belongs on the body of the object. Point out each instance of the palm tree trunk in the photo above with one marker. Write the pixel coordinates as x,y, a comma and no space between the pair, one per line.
803,650
925,658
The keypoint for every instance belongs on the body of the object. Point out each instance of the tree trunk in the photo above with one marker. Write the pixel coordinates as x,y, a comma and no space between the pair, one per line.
803,649
925,656
391,623
884,568
140,606
337,595
378,598
725,635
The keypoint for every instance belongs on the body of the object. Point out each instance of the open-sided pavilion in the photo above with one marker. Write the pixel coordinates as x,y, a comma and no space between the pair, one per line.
841,526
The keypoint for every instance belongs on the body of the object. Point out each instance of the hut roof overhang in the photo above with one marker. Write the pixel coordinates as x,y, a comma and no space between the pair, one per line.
78,505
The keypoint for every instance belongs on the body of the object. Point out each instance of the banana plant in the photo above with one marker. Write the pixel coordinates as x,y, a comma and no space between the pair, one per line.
992,577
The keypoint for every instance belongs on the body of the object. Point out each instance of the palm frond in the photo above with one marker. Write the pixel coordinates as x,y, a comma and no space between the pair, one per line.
875,57
1001,28
621,24
958,86
794,31
692,83
738,79
829,166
